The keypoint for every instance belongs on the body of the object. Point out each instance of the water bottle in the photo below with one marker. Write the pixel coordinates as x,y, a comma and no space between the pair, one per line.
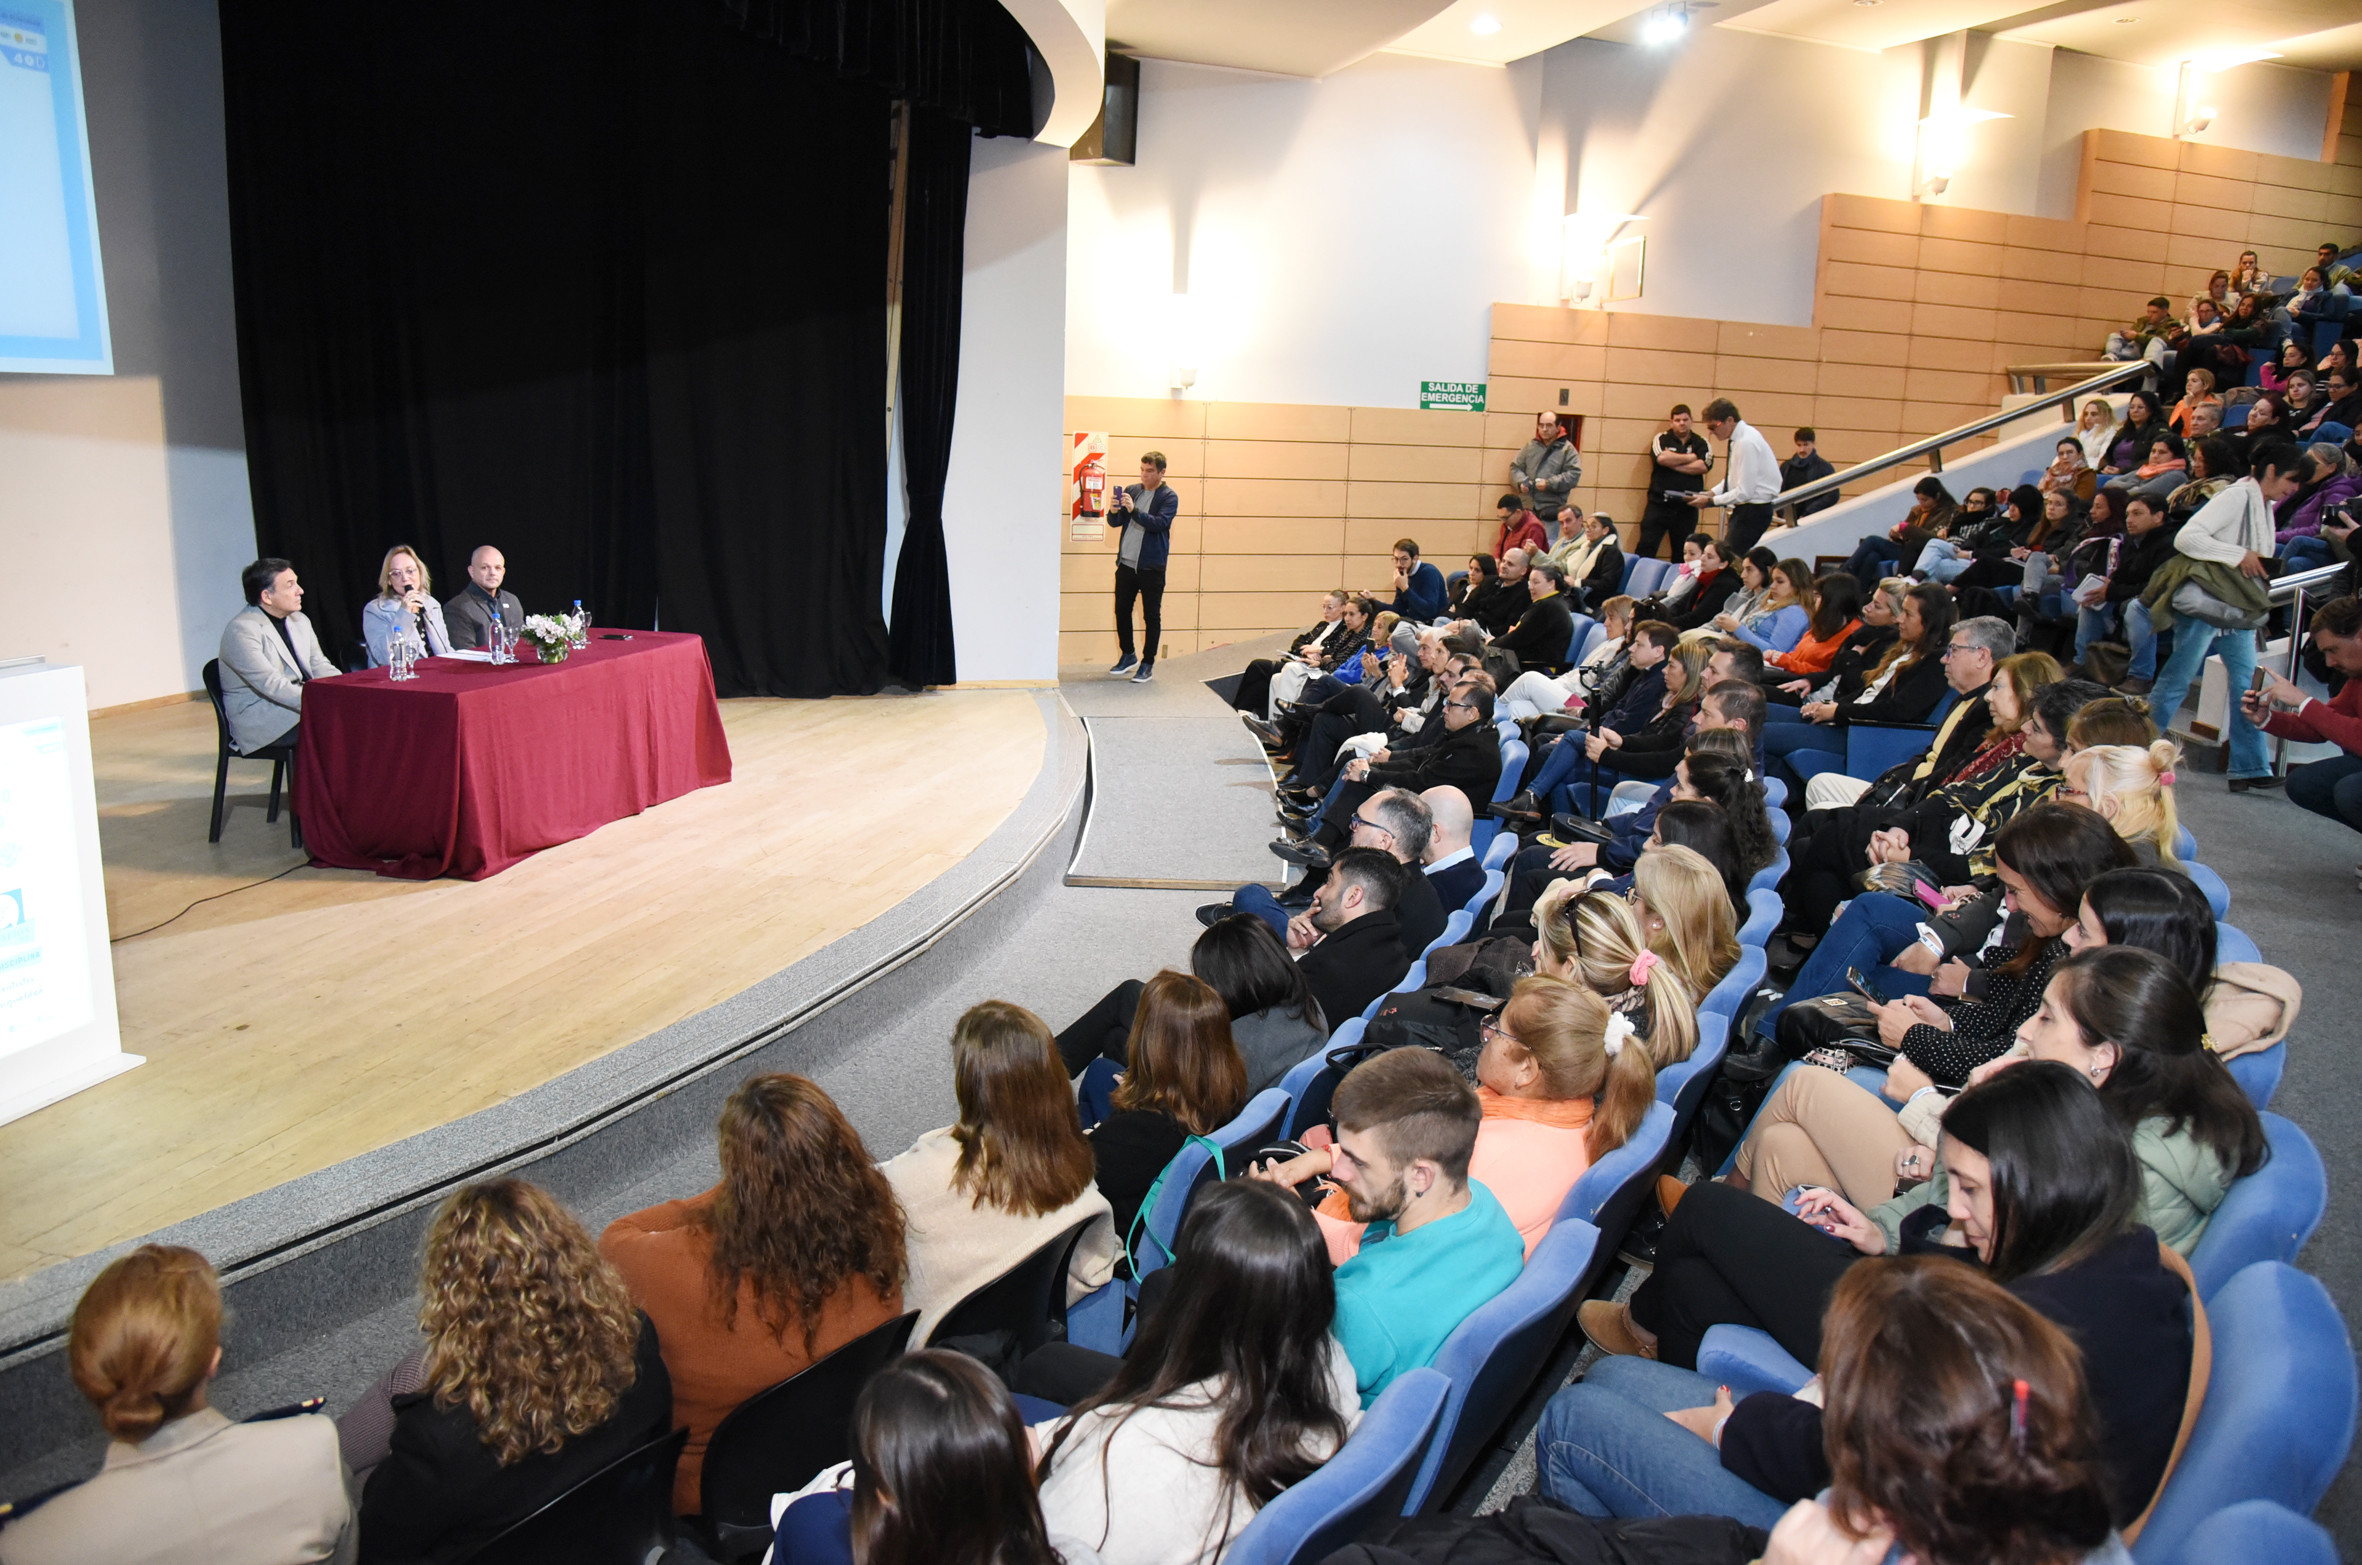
581,636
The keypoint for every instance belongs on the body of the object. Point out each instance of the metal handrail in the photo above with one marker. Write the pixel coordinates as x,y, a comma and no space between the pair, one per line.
1934,444
2291,590
2040,374
2287,588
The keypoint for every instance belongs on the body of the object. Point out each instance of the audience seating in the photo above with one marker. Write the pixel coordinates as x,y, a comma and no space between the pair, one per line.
1028,1300
2232,944
776,1440
1780,824
2185,845
1769,877
1310,1083
1610,1190
2258,1074
2218,895
2256,1532
1257,1125
1455,930
1498,853
1492,1358
1763,916
1361,1485
1584,625
1494,880
620,1515
1513,759
281,756
2279,1411
1775,793
1589,642
2269,1215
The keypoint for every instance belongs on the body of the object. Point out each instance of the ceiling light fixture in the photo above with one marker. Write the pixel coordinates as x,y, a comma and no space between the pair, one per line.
1485,26
1666,26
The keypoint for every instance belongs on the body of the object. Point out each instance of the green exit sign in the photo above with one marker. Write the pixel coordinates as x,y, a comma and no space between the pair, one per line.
1464,395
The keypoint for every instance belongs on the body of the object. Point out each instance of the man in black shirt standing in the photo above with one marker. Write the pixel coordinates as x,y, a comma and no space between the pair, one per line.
1682,459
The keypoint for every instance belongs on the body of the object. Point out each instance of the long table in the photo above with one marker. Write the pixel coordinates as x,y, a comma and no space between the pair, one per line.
469,767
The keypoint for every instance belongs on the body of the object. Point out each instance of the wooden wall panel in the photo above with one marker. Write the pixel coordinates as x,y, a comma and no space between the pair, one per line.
1918,310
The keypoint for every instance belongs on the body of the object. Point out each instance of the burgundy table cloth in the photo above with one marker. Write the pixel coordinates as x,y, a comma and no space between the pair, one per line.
469,768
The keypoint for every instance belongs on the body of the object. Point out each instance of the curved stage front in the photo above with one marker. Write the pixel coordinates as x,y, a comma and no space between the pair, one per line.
393,1048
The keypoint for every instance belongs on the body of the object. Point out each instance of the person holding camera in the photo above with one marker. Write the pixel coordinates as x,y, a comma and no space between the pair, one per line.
1145,512
2332,787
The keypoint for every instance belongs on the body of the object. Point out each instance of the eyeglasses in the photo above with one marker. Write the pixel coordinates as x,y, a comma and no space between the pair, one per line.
1491,1028
1463,706
1360,820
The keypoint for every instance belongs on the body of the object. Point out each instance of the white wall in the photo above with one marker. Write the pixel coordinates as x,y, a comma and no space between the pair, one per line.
1002,497
133,488
2264,108
1341,240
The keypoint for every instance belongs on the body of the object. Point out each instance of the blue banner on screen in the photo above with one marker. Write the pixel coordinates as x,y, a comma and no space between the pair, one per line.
53,298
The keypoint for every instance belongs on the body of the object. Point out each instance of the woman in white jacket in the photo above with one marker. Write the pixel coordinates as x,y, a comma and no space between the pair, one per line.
2235,529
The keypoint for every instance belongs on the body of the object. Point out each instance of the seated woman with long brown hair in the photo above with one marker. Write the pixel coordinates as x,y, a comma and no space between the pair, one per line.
537,1373
181,1482
1183,1077
1014,1173
794,1254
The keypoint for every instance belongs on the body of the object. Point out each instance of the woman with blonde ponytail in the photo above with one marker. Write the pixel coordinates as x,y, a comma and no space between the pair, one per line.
2132,789
1685,913
1563,1081
144,1345
1594,939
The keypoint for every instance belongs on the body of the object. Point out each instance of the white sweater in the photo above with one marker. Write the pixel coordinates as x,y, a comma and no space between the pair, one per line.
2228,526
1156,1500
957,1246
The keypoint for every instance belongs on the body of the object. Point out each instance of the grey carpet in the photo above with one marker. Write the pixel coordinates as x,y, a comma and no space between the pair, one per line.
1176,802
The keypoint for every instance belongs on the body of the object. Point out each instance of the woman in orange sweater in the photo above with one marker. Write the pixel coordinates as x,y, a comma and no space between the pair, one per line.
794,1254
1837,614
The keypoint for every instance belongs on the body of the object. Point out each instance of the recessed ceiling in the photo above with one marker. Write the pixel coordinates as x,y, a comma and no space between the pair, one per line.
1882,24
1285,37
1518,28
2162,32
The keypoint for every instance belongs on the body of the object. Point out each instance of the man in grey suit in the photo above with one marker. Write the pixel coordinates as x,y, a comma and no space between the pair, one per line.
268,654
469,611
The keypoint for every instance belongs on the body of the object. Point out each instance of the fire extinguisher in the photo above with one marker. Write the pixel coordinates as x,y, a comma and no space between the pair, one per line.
1094,486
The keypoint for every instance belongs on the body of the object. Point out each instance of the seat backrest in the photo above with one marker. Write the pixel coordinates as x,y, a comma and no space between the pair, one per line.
2267,1216
1259,1124
1729,996
1492,1357
2185,845
1584,624
1308,1097
1589,642
2258,1072
2231,944
774,1441
1500,852
1025,1301
2257,1530
2218,895
1364,1483
1780,824
1494,880
1769,877
1870,748
1594,1199
1775,793
1488,828
1763,916
221,719
1455,930
1683,1086
1747,1360
2279,1411
619,1515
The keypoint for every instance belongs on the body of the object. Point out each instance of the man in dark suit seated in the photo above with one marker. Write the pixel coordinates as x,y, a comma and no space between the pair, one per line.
1541,636
469,612
1467,756
1351,939
1393,822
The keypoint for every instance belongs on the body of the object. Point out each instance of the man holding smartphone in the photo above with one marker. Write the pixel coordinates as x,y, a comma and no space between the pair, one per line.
1147,509
2332,787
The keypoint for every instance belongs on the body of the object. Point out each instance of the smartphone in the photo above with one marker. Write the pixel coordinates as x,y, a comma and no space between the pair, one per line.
1929,895
1853,975
2260,681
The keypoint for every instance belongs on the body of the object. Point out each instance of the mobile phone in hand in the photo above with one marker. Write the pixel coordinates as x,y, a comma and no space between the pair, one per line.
1929,895
1869,990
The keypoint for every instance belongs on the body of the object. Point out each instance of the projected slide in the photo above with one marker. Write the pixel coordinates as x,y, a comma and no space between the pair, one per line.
44,972
53,311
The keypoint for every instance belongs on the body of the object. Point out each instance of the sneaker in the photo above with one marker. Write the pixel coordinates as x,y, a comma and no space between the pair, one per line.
1125,664
1147,672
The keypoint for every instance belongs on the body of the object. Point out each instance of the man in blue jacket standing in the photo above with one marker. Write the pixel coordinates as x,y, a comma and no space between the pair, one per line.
1147,509
1418,586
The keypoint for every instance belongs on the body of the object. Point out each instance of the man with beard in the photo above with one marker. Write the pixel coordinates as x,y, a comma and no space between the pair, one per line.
1350,936
1438,1244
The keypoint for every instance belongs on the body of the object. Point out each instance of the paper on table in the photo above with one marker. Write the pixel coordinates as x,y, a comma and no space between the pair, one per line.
467,654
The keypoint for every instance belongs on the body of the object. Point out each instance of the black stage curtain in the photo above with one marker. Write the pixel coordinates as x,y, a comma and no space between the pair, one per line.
601,285
935,224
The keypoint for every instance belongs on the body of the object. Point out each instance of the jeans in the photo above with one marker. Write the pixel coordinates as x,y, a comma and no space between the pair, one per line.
1873,561
1875,928
1257,899
1942,560
2308,553
1149,587
1606,1448
2332,788
1774,712
2193,639
2092,625
2140,634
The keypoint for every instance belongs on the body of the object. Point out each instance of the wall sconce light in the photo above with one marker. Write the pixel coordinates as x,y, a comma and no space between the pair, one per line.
1668,25
1181,331
1943,147
1583,253
2191,117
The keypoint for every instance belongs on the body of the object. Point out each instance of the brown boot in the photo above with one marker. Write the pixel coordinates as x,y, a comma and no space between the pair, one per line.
1610,1328
1669,1192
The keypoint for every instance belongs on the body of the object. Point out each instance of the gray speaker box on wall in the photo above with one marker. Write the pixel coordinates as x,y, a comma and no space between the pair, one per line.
1114,137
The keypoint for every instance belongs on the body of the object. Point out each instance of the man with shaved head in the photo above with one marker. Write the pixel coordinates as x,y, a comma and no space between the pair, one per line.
469,613
1450,863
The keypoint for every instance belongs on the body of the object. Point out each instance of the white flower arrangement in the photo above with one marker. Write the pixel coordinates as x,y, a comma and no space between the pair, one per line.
554,635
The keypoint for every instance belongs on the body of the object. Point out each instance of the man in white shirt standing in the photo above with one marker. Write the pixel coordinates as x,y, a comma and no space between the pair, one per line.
1751,478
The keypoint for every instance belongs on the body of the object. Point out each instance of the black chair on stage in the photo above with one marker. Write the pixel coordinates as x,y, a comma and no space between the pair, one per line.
777,1440
620,1515
281,756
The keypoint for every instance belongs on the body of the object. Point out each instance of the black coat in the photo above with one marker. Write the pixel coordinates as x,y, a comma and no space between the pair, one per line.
1354,966
1536,1530
1419,909
1542,636
1496,605
1710,598
441,1492
1605,578
1468,759
1907,698
1454,886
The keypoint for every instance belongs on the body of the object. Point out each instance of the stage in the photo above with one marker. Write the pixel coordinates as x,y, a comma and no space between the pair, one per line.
295,1020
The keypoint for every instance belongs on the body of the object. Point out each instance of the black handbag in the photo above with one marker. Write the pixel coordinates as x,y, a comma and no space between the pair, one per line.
1840,1022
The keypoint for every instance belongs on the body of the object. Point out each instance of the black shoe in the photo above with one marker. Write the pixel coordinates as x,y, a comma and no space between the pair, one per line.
1300,793
1298,896
1581,828
1526,806
1213,913
1309,854
2251,784
1261,730
1640,1245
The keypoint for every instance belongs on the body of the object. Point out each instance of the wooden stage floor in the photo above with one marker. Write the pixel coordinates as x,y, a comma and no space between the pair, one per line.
295,1023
